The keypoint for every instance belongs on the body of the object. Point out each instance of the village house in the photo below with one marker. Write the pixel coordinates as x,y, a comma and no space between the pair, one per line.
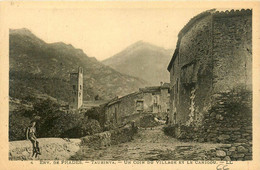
211,62
89,104
153,99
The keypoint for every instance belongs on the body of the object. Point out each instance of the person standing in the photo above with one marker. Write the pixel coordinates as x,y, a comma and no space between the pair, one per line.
167,119
30,135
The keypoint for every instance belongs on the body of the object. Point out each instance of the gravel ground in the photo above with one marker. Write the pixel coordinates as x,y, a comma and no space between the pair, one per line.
149,144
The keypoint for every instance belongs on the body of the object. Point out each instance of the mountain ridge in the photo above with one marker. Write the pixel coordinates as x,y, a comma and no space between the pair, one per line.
143,60
45,68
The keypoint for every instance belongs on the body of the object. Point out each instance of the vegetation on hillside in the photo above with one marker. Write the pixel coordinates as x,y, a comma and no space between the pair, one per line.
38,67
51,122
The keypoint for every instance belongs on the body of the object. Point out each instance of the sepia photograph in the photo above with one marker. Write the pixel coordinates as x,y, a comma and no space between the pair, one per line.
130,84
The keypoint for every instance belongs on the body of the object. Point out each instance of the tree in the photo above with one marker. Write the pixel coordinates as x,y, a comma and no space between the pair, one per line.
17,126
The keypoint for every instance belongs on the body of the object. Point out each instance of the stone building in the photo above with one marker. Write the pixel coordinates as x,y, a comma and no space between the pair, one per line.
147,100
76,89
212,65
156,98
90,104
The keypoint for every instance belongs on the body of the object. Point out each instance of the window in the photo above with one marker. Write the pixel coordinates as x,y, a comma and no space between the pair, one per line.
187,74
74,87
155,99
80,87
139,105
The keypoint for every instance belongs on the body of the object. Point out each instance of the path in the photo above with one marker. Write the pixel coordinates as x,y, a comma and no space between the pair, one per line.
149,144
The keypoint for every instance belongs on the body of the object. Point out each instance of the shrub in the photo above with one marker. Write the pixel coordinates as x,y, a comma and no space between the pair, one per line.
97,113
17,126
169,130
87,127
45,108
109,126
148,121
51,122
55,125
90,127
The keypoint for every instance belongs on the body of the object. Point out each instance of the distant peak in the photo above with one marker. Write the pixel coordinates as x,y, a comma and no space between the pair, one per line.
141,43
144,44
21,31
64,45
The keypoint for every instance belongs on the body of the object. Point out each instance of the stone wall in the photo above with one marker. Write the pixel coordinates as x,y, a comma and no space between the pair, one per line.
111,137
153,99
229,121
161,96
119,110
232,50
165,100
232,152
211,81
191,72
213,55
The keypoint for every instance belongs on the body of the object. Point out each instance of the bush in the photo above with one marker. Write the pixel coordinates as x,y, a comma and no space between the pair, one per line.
148,121
51,122
55,125
97,113
87,127
45,108
17,126
109,126
90,127
169,130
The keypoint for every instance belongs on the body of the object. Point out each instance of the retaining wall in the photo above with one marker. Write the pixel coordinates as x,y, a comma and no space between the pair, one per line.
111,137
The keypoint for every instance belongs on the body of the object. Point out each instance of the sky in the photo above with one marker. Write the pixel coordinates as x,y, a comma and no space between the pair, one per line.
103,32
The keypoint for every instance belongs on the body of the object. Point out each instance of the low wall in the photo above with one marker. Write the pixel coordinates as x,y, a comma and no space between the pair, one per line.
233,152
111,137
51,149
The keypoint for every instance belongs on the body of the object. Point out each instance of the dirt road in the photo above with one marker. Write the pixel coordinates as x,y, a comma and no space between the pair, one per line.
149,144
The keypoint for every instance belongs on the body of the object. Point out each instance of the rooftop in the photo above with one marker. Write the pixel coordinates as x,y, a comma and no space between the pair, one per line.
212,12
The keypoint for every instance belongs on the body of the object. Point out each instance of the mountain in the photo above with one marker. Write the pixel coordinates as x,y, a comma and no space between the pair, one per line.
38,68
143,60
